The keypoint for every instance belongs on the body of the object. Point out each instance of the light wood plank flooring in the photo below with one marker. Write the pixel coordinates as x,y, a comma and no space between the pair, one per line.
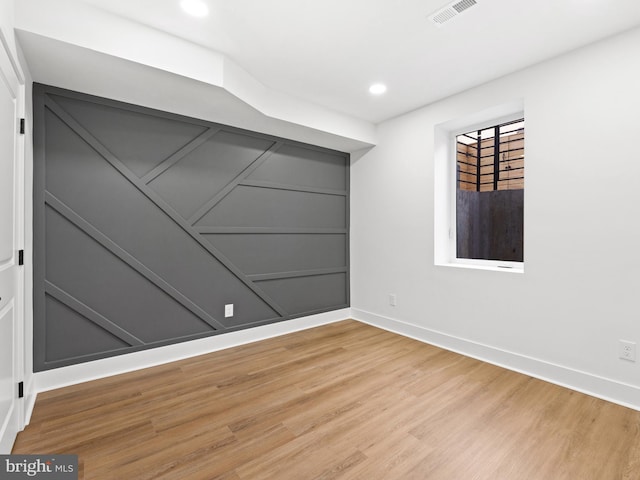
343,401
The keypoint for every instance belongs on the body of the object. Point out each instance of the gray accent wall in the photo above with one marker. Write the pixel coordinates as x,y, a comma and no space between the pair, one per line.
147,223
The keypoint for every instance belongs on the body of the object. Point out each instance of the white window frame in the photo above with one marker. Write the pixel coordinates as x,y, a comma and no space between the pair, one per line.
445,178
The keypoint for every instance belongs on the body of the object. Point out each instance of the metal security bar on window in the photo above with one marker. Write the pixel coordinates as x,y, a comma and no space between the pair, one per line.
492,158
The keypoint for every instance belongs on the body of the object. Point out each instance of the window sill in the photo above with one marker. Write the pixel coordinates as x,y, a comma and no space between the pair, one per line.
497,267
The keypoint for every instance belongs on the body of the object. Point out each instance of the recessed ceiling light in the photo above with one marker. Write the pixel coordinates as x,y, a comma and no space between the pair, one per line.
377,89
197,8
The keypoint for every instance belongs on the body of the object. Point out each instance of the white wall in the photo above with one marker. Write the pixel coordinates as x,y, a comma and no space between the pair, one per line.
563,317
7,19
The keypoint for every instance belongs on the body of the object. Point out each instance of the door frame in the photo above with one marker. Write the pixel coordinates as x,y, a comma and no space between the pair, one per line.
13,79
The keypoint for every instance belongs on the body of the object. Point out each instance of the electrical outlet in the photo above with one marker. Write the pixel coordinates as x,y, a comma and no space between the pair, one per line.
627,350
228,310
392,299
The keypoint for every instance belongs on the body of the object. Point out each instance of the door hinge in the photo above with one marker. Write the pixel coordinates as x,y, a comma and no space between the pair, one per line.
21,390
22,126
20,257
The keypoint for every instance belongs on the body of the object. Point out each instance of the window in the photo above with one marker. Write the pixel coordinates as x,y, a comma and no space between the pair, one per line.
480,228
489,193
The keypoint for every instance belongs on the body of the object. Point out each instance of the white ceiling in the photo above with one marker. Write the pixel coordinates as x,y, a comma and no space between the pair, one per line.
328,52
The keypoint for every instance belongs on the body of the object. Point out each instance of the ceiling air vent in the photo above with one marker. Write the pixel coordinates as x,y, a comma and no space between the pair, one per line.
450,11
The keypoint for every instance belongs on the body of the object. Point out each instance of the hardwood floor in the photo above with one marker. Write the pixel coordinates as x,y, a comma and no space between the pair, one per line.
343,401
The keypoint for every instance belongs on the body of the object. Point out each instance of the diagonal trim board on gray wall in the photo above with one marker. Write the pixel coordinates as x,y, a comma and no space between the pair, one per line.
146,224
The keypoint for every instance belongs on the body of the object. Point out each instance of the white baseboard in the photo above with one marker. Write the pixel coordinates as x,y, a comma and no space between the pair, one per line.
84,372
584,382
29,400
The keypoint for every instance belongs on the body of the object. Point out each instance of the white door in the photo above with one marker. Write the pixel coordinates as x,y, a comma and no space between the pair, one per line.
11,93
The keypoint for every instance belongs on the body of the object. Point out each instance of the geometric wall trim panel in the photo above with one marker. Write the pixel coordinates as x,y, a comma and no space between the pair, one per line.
147,223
